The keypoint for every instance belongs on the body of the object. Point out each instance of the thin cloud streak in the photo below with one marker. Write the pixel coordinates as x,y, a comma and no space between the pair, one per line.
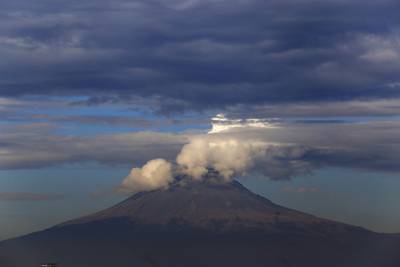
28,197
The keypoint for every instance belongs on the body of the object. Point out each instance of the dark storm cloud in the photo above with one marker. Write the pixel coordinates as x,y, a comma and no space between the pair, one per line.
102,120
201,54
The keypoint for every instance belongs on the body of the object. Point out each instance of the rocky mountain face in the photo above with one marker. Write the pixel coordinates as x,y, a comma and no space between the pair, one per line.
202,224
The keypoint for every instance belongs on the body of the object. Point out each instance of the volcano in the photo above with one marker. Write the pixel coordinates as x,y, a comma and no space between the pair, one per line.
204,223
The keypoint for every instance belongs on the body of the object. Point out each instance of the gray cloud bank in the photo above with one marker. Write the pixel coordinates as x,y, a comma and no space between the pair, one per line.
281,151
37,145
180,55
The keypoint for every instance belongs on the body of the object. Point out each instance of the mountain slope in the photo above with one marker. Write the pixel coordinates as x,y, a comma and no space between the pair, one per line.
202,205
202,224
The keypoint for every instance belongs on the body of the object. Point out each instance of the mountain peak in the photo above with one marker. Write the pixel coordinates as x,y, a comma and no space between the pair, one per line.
202,205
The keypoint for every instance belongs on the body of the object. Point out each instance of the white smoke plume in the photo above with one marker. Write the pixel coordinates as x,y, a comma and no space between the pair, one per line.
229,157
223,152
155,174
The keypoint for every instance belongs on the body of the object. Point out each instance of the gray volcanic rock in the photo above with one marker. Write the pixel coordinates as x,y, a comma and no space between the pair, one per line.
202,224
211,205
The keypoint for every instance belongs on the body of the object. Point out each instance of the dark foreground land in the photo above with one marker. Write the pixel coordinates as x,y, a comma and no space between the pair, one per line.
202,224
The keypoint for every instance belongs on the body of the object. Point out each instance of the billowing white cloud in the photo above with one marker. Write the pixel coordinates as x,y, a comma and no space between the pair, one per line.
155,174
227,156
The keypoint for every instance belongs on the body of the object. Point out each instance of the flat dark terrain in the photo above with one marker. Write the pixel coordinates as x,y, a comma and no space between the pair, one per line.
202,224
